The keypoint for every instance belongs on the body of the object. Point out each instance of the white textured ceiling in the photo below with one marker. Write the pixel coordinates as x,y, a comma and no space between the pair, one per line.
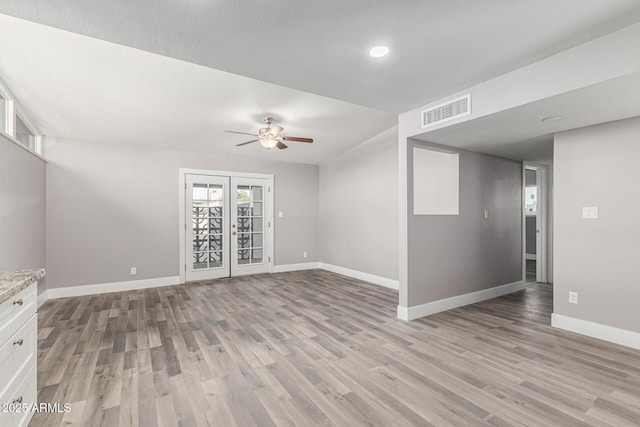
519,133
437,47
82,88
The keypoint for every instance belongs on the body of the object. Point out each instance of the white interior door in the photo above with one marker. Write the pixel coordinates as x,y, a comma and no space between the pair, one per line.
250,221
207,227
541,227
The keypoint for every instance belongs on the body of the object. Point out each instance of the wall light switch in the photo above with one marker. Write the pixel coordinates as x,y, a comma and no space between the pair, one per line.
573,297
590,212
486,214
279,214
304,255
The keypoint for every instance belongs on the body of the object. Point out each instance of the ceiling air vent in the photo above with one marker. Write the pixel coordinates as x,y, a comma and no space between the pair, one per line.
447,111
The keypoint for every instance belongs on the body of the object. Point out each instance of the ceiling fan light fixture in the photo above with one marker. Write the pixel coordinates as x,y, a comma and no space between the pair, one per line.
274,130
268,142
270,137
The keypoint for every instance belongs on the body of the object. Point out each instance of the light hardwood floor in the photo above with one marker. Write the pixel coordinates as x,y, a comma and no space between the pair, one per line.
316,348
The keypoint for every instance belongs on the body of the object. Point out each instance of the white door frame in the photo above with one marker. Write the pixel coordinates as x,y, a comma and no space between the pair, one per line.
182,215
541,222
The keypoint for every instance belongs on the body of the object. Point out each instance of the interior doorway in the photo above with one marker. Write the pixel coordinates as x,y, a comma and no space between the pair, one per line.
226,224
534,224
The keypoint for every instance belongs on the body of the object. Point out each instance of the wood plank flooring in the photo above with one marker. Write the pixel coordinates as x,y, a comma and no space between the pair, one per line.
316,348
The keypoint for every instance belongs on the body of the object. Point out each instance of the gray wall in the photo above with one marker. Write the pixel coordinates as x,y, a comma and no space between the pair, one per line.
111,207
22,209
451,255
359,207
598,166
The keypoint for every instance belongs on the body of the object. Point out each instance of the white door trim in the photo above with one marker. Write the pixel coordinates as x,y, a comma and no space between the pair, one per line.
182,215
541,222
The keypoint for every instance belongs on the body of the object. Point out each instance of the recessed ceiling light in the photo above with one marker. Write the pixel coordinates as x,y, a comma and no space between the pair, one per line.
379,51
552,119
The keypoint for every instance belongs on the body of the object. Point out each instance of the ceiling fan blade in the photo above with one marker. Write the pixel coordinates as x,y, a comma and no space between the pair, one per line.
245,143
241,133
281,146
275,130
297,139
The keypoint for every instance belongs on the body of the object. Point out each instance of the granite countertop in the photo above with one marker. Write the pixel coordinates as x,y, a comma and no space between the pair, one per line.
13,282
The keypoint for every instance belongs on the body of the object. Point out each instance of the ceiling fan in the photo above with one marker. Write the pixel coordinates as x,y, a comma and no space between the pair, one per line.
270,136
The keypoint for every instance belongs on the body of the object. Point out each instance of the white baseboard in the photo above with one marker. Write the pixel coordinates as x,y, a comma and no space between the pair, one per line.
418,311
372,278
43,297
295,267
596,330
76,291
403,313
532,256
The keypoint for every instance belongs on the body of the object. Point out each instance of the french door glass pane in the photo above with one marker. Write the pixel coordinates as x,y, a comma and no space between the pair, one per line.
216,195
244,225
244,256
199,211
199,260
215,242
200,243
257,209
244,209
215,259
256,224
257,194
208,201
215,225
244,240
200,226
200,193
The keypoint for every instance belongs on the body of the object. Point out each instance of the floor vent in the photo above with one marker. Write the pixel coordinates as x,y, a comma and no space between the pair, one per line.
447,111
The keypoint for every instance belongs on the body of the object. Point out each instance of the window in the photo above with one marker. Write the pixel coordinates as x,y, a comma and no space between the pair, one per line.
24,135
3,115
15,124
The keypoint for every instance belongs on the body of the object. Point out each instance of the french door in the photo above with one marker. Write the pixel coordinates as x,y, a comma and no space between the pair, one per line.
226,226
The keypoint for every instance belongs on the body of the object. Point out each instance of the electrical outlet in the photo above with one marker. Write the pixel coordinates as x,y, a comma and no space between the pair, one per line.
134,271
573,297
304,254
590,212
